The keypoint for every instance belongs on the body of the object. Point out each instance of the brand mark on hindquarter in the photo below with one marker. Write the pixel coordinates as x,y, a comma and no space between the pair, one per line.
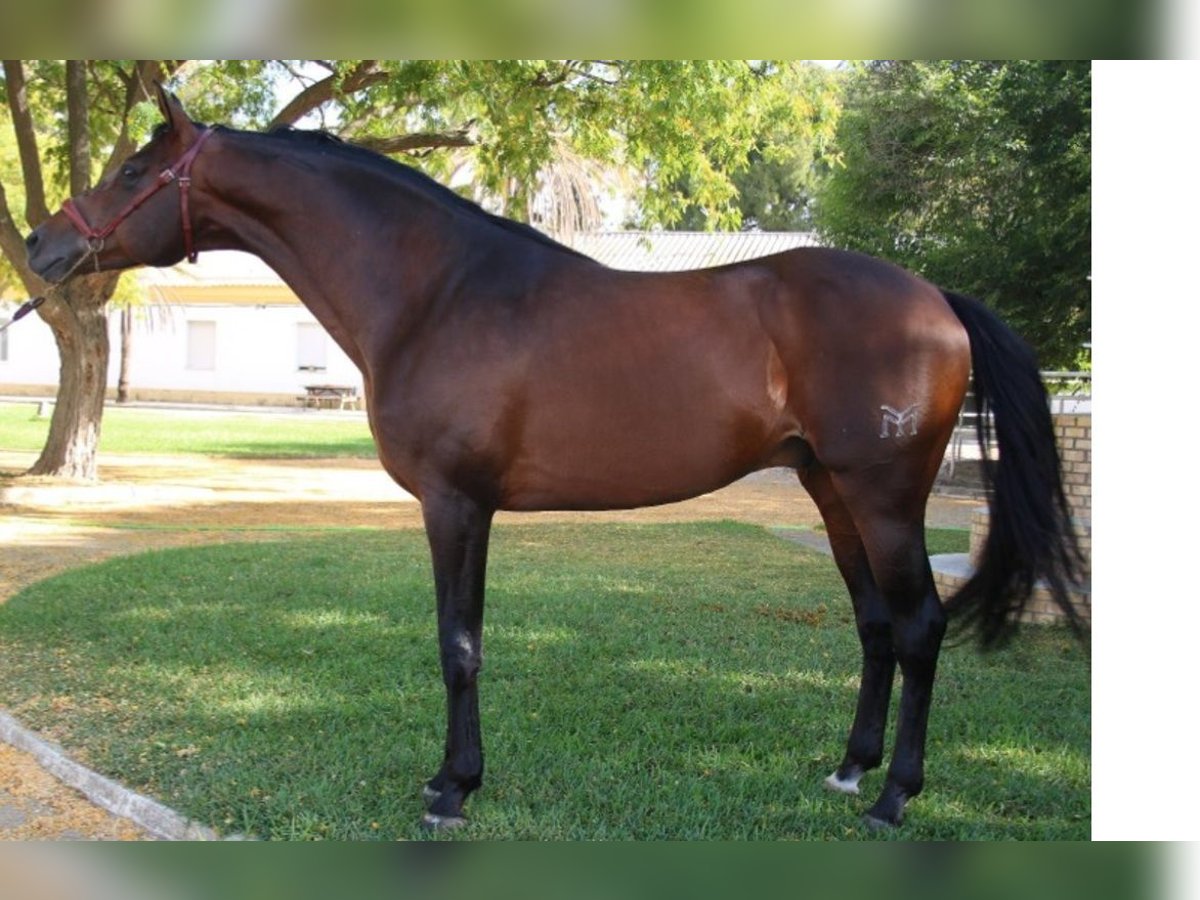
898,418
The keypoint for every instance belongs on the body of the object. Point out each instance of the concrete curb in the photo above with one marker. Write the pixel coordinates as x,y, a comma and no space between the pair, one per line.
150,815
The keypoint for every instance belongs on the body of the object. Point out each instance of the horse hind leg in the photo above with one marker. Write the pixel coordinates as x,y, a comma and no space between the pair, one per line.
890,521
864,746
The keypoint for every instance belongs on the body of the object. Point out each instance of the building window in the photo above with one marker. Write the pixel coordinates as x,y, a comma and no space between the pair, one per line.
202,346
310,347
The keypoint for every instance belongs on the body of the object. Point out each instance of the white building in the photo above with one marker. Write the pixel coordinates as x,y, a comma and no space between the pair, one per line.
224,330
228,330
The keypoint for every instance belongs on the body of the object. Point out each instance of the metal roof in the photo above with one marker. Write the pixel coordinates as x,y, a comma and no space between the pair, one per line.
670,251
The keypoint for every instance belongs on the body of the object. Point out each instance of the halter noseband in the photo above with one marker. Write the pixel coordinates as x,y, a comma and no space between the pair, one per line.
179,172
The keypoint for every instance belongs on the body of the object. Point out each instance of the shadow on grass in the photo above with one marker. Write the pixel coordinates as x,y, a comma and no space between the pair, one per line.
634,687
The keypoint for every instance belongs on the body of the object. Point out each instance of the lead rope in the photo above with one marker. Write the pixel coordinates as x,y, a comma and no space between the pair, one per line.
23,310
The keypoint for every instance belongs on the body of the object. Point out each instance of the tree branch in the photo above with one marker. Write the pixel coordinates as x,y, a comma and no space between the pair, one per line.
365,74
544,79
78,143
36,210
12,245
407,143
299,76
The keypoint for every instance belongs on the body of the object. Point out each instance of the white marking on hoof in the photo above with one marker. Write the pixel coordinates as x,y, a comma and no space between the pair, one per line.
434,822
429,795
843,786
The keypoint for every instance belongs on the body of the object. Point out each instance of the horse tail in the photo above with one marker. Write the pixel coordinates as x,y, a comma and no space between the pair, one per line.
1030,538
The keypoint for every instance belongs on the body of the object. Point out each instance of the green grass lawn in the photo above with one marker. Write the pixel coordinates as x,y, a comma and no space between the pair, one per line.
261,436
641,681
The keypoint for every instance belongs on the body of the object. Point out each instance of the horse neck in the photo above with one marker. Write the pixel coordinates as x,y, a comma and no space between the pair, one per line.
350,264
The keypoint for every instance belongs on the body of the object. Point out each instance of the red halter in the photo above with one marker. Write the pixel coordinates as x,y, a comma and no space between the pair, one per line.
179,172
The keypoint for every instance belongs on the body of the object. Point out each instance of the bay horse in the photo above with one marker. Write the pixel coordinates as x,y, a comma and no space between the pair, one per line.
503,370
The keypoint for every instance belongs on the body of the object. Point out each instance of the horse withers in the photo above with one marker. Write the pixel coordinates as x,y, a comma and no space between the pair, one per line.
503,370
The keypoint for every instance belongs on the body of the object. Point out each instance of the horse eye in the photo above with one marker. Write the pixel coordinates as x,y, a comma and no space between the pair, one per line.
128,171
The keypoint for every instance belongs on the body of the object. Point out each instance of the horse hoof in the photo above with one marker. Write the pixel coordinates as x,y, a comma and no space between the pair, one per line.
874,823
434,822
842,786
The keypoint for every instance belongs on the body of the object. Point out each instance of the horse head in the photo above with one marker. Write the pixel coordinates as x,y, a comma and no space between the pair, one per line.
127,219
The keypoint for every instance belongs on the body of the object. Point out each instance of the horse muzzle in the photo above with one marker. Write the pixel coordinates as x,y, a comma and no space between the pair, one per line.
55,253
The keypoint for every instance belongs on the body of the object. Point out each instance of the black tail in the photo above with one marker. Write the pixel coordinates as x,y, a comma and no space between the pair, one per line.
1030,538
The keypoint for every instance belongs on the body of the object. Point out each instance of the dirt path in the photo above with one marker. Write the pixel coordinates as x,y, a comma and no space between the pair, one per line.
148,503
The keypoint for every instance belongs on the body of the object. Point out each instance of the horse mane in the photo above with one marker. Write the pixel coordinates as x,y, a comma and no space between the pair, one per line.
411,177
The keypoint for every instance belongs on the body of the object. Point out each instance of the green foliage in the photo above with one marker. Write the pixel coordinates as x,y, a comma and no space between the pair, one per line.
793,150
46,84
977,175
235,92
685,681
663,121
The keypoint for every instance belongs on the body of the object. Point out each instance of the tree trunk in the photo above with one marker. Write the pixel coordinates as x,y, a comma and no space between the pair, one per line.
126,350
80,327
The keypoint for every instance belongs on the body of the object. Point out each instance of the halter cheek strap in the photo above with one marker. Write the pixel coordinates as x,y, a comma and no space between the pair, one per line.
179,172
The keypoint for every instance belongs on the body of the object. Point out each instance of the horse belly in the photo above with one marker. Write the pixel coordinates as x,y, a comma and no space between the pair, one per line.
581,475
625,438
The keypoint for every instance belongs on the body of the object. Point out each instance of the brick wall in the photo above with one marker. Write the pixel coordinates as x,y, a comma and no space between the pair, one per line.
1074,436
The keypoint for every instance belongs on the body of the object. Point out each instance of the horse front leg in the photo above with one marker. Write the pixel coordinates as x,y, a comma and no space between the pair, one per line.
458,530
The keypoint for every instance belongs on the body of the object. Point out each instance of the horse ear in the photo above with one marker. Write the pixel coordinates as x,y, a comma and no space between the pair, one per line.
172,111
